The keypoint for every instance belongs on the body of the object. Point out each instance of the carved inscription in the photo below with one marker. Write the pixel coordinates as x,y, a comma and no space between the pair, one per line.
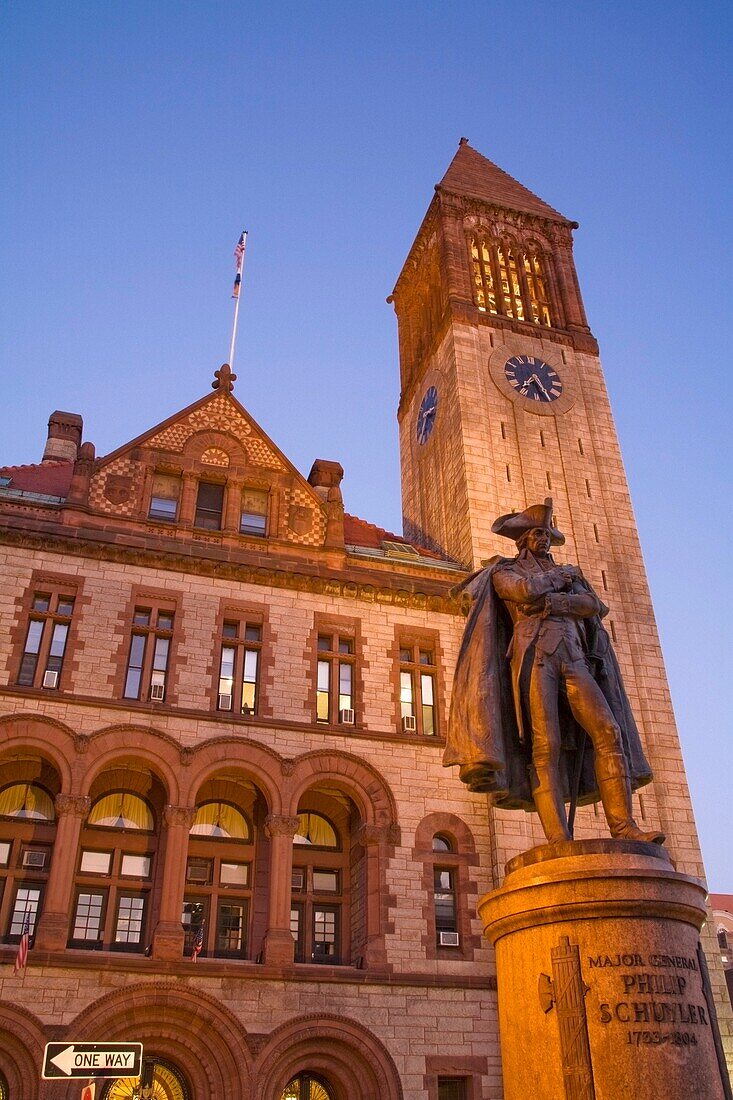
655,997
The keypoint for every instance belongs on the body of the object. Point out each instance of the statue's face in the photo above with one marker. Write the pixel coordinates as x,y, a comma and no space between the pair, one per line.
538,540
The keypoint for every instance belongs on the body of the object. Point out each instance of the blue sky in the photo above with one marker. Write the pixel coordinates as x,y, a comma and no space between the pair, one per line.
140,139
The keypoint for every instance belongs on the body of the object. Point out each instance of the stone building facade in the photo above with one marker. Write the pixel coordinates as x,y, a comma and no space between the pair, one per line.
222,804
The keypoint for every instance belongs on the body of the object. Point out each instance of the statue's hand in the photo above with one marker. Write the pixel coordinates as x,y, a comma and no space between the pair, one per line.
568,574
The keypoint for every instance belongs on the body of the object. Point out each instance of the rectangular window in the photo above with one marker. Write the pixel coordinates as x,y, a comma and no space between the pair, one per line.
209,506
325,882
537,286
452,1088
45,640
418,708
253,514
234,874
27,901
164,498
325,933
95,863
130,920
444,895
296,929
5,849
231,928
483,276
135,866
239,666
335,672
511,294
147,662
194,914
89,916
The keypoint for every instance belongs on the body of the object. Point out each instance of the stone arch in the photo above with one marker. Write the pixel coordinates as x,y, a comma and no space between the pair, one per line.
355,777
187,1027
454,827
158,750
22,1043
200,441
260,763
353,1060
33,732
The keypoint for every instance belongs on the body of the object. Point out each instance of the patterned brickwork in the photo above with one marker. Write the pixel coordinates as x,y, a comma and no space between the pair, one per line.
219,414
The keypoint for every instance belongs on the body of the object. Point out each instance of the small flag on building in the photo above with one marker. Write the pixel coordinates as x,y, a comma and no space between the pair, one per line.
198,943
23,947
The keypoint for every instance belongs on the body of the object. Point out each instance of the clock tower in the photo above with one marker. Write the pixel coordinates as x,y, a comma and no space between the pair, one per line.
503,403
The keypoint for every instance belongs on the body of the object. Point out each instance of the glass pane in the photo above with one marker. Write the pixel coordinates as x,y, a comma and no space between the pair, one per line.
426,657
58,640
252,633
250,664
5,848
426,687
160,658
160,508
27,671
95,863
345,693
65,606
443,879
314,829
324,642
141,616
41,602
441,844
33,638
249,698
406,694
251,524
226,671
135,866
132,683
230,630
219,819
327,881
166,486
405,655
129,920
346,645
209,504
26,801
88,917
165,620
122,810
27,900
231,927
234,874
452,1088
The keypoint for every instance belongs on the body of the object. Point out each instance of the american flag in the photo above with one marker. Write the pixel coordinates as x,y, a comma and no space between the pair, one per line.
22,957
239,250
198,943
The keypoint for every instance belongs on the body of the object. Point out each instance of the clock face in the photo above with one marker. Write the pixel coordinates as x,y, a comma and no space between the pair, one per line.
426,415
533,378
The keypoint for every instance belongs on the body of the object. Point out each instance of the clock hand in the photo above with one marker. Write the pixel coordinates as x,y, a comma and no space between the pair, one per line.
536,379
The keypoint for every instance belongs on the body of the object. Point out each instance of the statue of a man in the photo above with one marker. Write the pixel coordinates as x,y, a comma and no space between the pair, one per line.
539,715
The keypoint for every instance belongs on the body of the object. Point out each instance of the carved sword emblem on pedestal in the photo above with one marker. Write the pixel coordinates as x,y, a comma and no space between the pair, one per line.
566,990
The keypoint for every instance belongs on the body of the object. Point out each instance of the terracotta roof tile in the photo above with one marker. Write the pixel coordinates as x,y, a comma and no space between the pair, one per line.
470,173
49,478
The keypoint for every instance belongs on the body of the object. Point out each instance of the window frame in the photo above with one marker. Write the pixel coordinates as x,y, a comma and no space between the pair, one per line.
152,633
311,859
335,659
242,646
418,672
50,620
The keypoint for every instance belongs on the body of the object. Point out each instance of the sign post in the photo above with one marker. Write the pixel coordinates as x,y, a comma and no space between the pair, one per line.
67,1060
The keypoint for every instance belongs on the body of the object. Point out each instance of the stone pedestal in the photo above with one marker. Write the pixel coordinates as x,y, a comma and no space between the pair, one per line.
602,990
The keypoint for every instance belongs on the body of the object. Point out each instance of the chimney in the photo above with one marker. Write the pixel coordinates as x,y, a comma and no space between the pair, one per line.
64,437
326,475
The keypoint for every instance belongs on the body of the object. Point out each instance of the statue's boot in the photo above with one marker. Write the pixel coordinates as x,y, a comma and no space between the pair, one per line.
616,798
550,808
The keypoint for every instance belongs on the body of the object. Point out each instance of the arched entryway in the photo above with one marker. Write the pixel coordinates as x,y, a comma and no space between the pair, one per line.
306,1086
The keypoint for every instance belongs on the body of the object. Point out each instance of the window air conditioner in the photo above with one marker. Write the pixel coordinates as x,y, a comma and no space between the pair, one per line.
157,692
35,860
197,873
449,939
409,723
346,717
225,702
50,678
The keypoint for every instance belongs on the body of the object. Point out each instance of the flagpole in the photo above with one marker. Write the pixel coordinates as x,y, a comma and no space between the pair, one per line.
238,288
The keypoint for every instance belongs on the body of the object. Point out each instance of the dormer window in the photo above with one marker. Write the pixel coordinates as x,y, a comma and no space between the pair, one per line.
164,497
209,506
253,517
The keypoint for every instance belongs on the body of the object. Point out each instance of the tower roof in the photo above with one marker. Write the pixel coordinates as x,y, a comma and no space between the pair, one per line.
471,174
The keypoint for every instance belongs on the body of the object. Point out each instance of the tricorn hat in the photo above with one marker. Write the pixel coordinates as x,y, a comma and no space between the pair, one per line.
516,524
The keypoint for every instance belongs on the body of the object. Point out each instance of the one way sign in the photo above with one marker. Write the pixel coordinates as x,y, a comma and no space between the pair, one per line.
67,1060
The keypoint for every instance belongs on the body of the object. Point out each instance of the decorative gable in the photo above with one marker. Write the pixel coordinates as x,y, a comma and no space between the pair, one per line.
217,442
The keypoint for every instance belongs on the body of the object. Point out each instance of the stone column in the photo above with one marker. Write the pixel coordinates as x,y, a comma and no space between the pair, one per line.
278,944
52,932
375,839
189,489
232,506
602,991
169,935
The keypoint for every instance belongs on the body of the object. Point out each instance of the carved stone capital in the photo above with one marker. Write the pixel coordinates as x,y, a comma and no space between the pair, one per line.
287,767
186,756
179,816
72,805
279,825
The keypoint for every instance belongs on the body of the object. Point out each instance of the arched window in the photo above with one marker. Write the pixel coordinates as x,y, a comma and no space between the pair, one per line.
307,1087
115,873
509,281
27,832
318,918
159,1081
4,1093
217,909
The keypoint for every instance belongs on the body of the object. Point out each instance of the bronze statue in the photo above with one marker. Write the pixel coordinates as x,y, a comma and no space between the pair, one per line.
536,680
